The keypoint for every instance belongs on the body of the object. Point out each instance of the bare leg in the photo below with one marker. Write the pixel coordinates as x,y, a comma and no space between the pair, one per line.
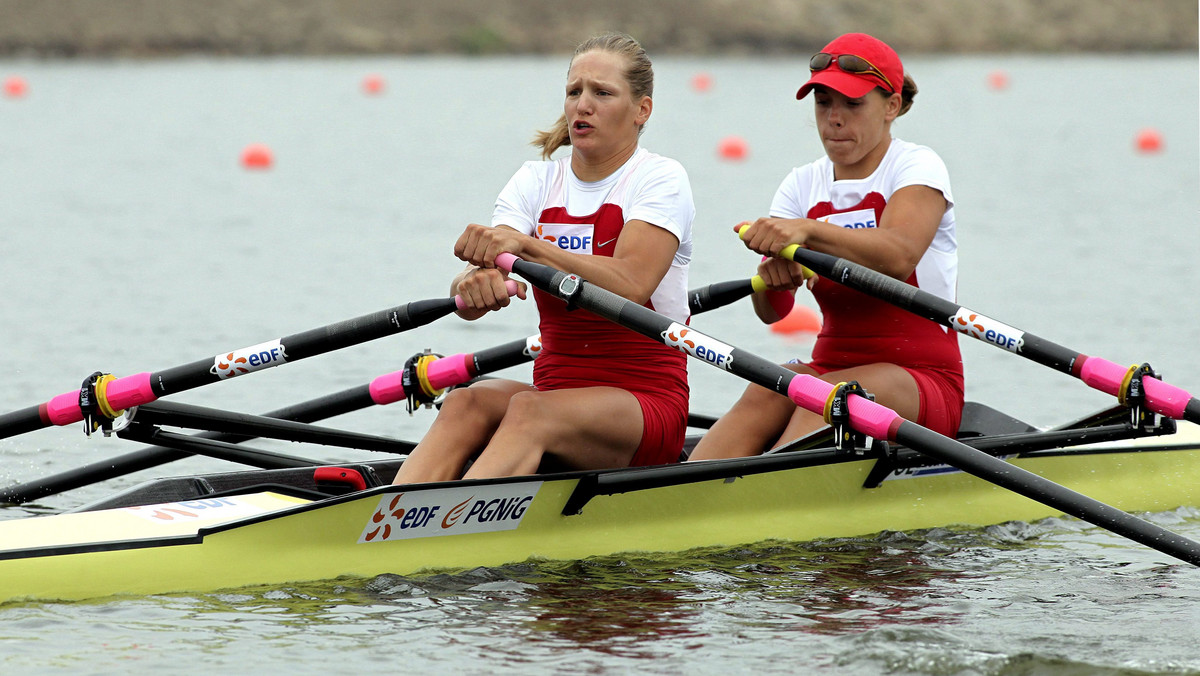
585,428
467,420
756,420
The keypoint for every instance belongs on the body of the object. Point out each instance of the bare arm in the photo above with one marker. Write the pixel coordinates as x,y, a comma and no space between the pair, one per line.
643,255
905,231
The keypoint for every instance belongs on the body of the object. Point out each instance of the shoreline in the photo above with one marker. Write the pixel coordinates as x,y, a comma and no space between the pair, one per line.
157,28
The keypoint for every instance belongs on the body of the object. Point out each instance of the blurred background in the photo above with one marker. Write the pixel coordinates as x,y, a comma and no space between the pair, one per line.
325,27
182,178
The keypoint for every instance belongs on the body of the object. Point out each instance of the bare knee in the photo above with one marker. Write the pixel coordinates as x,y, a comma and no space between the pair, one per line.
524,414
469,404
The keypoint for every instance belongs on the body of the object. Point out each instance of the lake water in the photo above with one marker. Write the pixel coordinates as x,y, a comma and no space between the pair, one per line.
131,240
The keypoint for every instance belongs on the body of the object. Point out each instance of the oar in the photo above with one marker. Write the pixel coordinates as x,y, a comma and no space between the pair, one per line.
720,294
444,372
386,389
1100,374
865,416
112,395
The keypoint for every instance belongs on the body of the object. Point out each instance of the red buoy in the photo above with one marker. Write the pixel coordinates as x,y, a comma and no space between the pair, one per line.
1149,141
801,319
701,82
997,80
733,148
15,87
373,84
257,156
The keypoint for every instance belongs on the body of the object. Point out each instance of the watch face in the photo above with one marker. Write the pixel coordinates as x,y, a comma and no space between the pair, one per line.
568,286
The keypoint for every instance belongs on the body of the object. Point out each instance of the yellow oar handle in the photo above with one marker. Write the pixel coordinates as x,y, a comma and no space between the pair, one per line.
788,252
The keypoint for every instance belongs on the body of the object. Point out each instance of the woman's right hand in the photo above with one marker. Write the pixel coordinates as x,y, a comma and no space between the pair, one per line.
482,290
780,274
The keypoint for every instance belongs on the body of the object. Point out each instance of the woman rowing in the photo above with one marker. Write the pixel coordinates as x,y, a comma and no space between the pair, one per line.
880,202
616,215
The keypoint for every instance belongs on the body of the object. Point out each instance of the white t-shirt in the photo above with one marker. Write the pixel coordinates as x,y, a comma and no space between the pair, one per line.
854,206
648,187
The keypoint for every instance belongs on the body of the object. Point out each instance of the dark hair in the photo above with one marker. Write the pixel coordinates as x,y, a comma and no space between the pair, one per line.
908,92
639,75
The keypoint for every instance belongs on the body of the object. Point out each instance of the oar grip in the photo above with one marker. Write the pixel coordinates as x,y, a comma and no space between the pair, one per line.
509,284
866,416
787,252
505,261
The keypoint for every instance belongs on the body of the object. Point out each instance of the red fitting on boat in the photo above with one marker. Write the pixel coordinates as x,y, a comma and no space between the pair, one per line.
340,477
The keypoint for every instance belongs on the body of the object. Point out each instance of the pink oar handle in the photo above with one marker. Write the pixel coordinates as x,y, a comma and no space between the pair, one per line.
505,261
874,420
510,285
1108,377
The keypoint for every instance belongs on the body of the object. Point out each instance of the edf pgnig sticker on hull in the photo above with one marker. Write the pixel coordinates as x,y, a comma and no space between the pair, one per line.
450,511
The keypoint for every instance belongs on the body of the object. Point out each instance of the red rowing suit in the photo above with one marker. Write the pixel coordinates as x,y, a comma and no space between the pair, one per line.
861,329
581,349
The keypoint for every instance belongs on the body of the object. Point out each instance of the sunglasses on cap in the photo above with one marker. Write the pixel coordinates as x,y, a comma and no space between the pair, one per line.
850,64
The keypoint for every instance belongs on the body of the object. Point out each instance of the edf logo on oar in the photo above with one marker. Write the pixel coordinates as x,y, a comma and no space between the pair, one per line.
249,359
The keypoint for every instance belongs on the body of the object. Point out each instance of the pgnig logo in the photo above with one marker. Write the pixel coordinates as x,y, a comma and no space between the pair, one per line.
451,511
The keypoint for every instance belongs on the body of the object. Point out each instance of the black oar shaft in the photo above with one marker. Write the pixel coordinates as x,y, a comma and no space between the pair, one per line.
865,416
141,388
328,406
721,294
174,414
302,345
1099,374
483,361
1040,489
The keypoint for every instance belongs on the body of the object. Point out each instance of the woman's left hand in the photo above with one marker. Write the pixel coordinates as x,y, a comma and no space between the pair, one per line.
769,236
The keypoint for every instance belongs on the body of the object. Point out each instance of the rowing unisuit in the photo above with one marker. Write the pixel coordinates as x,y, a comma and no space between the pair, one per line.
859,329
580,349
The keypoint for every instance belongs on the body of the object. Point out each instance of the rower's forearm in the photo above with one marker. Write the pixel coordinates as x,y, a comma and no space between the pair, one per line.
622,277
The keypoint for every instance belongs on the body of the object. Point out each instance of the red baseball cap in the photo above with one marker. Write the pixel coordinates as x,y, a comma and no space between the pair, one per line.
854,85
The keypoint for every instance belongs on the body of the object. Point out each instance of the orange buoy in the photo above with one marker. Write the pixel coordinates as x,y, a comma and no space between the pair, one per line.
373,84
997,80
732,148
257,156
15,87
801,319
1149,140
701,82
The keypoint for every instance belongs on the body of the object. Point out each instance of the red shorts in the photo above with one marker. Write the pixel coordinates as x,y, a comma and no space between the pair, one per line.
941,394
663,399
664,424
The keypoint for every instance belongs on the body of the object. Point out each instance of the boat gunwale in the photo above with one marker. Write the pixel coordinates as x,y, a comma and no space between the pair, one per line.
591,484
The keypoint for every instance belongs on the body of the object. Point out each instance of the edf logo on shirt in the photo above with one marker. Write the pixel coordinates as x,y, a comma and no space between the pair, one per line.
573,237
861,218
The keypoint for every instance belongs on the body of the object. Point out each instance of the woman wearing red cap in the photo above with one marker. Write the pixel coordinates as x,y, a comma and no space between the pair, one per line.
878,201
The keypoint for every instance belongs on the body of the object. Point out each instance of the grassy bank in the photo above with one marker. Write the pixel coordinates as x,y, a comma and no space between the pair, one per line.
56,28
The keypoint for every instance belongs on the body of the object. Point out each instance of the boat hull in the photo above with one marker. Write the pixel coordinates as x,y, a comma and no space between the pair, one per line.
271,539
